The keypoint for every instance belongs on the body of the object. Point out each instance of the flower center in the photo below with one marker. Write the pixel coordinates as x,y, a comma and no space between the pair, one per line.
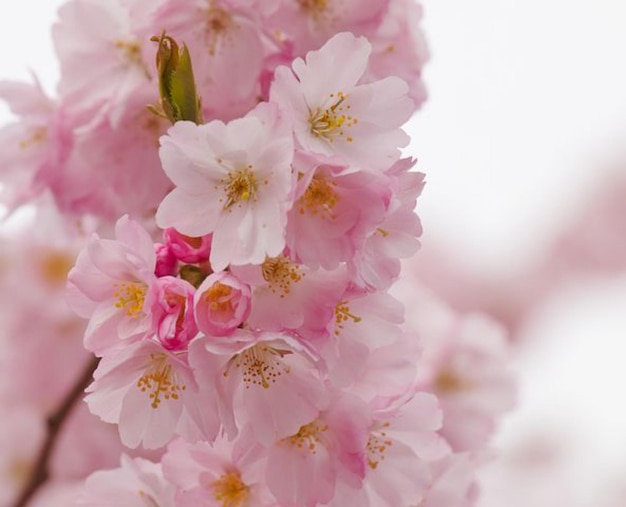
38,135
230,490
54,267
448,382
130,296
280,273
218,21
240,186
308,437
343,315
377,445
314,8
219,298
158,380
319,198
261,365
332,121
131,52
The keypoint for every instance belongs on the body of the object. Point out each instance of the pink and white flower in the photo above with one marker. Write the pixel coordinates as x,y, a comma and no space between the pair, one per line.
216,475
233,180
109,283
332,114
144,389
266,383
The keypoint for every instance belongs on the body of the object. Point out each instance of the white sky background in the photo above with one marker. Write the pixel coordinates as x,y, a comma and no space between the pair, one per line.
527,102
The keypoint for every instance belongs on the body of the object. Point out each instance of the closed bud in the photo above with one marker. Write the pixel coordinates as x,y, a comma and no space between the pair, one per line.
179,99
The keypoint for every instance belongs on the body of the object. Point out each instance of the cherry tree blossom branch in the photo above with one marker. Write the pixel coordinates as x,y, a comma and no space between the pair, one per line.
40,474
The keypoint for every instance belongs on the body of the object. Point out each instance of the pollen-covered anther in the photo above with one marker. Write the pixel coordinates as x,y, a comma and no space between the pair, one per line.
377,445
159,381
331,123
239,186
261,365
230,490
130,297
308,437
280,273
319,198
343,315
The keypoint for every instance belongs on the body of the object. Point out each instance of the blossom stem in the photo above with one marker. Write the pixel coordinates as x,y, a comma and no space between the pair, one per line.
40,473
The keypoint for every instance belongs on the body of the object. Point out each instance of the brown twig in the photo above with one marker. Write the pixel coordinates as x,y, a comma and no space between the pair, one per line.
40,473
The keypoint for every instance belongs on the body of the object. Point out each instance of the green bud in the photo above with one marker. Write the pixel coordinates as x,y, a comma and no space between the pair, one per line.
193,274
179,99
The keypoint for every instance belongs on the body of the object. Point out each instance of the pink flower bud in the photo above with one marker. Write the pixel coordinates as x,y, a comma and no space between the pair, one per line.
222,303
171,306
186,248
166,262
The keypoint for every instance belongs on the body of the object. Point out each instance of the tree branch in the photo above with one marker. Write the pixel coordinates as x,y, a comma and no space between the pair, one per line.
40,474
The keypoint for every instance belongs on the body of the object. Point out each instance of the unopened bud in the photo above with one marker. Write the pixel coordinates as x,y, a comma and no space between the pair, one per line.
179,99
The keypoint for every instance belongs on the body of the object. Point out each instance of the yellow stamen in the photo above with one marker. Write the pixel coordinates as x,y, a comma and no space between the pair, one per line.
280,273
377,446
159,381
319,198
342,315
219,298
308,437
331,122
231,491
240,186
130,297
261,365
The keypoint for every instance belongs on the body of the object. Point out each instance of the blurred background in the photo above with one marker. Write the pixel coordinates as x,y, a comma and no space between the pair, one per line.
523,141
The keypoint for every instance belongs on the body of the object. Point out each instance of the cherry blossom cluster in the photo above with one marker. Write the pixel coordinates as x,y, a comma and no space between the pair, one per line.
249,351
90,146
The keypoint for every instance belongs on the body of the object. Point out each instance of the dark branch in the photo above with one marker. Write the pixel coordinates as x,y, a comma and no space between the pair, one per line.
40,473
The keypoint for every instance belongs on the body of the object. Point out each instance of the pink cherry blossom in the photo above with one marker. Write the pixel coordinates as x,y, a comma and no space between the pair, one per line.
136,483
332,114
109,284
145,390
399,48
228,44
102,61
222,304
216,475
377,264
233,180
303,469
401,443
466,367
265,383
310,23
36,146
333,212
288,295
